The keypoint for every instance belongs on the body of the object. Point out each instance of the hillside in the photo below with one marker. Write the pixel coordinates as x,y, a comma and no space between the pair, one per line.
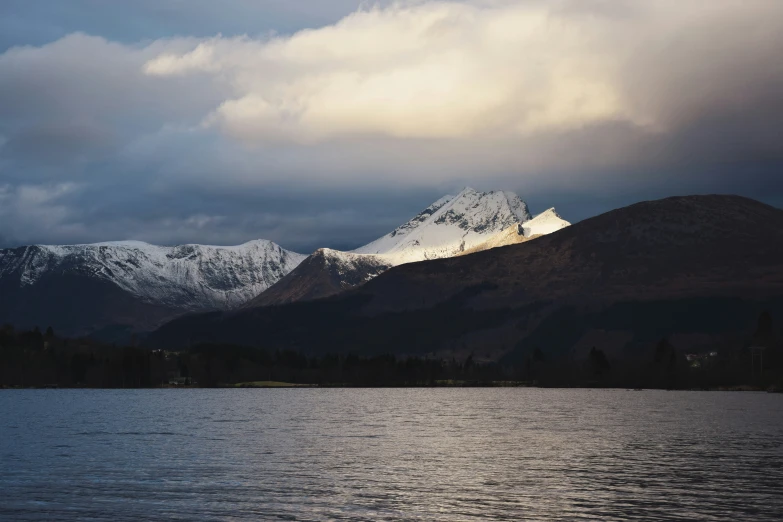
699,267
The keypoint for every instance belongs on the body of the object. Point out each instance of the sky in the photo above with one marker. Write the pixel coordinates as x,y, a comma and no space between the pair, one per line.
327,123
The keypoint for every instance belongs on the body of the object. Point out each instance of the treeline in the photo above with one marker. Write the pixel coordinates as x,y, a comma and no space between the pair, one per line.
662,366
35,359
214,364
756,361
32,358
40,359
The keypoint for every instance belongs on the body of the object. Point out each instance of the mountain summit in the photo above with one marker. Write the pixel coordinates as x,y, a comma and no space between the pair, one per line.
451,226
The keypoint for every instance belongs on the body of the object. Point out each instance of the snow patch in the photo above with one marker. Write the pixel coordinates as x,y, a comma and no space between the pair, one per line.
547,222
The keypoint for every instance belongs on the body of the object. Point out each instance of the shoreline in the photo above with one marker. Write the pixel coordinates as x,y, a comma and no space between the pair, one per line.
284,385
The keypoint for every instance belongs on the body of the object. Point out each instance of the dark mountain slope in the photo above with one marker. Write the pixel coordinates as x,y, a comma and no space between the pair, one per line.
671,248
614,275
77,304
323,274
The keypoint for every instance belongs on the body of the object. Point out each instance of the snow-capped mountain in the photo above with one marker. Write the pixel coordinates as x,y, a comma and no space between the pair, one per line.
453,225
192,277
84,288
449,226
173,280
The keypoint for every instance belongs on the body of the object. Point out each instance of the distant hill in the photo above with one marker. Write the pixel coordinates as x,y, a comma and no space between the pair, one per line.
698,269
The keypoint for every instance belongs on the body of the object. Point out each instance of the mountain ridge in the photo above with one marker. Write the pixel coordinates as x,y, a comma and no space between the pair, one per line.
695,267
140,285
162,281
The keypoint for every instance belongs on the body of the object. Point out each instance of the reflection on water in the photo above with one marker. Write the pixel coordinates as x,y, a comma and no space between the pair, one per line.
404,454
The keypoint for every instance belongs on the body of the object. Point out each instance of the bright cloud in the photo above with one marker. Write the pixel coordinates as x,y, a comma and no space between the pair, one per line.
433,70
458,70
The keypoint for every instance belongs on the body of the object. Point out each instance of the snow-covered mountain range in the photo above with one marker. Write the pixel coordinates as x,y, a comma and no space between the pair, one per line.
190,277
83,289
139,284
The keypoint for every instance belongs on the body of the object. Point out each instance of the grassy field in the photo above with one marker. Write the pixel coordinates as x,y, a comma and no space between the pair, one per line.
268,384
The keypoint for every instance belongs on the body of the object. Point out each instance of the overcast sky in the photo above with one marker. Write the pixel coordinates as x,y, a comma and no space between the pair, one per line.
329,122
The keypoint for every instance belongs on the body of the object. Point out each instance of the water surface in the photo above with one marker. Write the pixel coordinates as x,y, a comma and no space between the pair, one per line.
401,454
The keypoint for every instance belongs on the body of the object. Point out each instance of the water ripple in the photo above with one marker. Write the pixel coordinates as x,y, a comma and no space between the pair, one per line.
405,454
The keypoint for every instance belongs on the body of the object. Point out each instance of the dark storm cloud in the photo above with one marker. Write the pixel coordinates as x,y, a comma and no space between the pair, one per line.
298,219
334,136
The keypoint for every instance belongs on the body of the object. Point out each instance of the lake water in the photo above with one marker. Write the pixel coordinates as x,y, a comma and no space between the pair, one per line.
401,454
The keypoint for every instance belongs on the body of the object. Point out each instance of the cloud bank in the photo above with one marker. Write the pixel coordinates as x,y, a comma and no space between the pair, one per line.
202,139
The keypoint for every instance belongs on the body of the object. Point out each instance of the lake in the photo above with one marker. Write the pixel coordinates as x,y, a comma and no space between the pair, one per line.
390,454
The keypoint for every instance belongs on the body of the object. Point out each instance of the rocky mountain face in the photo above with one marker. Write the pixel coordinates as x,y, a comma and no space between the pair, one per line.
453,225
83,288
691,269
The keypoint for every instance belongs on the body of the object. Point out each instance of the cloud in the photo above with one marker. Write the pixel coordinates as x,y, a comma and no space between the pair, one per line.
32,206
199,138
444,70
436,70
